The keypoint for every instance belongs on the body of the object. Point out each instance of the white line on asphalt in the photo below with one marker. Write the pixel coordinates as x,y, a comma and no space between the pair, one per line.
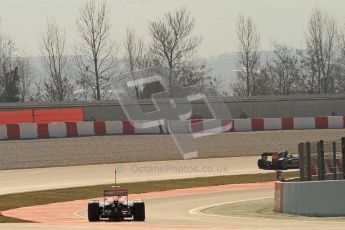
198,210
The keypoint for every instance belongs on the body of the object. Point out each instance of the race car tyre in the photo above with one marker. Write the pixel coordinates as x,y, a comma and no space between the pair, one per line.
261,164
93,211
282,165
139,211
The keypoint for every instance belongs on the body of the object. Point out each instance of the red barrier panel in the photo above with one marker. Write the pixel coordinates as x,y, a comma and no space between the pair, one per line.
229,122
15,116
41,116
321,122
13,131
99,128
330,165
197,125
287,123
127,127
313,169
257,124
72,130
58,115
43,130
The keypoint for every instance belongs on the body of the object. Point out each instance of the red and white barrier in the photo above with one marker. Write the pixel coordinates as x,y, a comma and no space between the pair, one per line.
97,128
109,127
28,131
3,132
297,123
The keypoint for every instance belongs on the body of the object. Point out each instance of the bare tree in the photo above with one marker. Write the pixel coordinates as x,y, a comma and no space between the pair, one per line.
25,72
249,57
284,70
341,42
261,84
173,42
55,62
134,57
96,52
9,76
340,77
321,39
308,72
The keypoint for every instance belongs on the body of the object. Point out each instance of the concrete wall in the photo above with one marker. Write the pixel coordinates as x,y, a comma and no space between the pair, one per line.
254,107
312,198
259,107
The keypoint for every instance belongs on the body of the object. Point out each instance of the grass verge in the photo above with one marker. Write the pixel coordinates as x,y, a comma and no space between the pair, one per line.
27,199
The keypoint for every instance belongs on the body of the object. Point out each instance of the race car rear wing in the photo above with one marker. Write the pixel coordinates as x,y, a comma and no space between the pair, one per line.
116,192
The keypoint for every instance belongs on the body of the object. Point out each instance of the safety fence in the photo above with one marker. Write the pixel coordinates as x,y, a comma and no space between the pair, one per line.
322,160
320,191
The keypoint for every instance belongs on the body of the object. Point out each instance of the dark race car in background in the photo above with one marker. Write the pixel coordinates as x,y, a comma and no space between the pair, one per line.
278,161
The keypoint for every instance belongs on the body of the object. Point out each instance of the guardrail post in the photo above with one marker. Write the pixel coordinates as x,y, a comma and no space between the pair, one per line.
334,160
320,160
308,161
343,155
301,156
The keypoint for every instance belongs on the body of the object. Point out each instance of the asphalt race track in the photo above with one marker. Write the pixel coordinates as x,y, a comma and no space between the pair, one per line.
173,210
21,180
20,154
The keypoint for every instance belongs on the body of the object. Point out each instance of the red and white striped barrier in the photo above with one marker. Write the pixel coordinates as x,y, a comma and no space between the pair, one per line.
98,128
297,123
71,129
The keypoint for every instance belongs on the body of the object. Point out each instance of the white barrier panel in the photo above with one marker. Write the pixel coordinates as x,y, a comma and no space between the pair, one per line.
85,128
179,127
57,129
28,131
241,125
151,130
212,126
272,123
304,123
335,122
113,127
3,132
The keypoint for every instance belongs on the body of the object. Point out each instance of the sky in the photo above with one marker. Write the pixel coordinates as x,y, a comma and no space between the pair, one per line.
277,20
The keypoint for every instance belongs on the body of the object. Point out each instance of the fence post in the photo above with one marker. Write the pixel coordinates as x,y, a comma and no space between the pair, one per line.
318,161
343,155
322,158
334,160
308,162
301,156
